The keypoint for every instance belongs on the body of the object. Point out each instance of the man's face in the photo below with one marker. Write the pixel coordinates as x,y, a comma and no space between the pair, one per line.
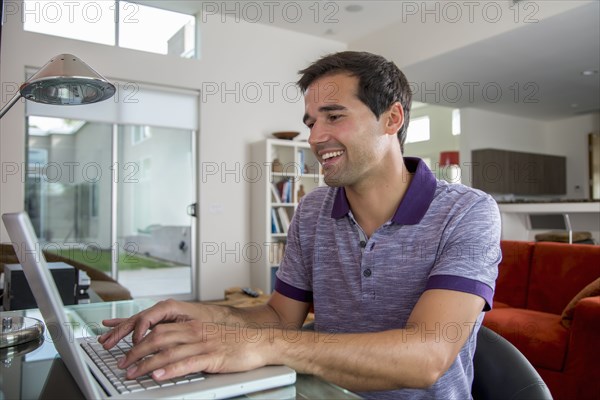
345,135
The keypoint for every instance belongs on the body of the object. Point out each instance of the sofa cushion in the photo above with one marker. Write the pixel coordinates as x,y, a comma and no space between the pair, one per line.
538,335
563,236
591,290
513,273
558,272
499,304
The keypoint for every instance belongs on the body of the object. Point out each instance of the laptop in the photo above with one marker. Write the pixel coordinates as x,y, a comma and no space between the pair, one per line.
88,373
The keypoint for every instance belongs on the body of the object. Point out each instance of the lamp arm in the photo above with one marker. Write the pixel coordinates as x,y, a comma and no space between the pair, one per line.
10,103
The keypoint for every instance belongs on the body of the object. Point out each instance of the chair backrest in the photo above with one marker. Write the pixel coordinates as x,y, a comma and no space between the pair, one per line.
560,222
502,372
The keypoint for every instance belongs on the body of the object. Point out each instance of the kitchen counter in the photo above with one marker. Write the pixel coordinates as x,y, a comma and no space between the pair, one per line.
584,216
550,207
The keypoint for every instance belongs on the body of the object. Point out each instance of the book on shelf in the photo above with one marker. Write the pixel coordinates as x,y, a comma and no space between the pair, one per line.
280,189
276,252
301,161
288,191
276,197
284,219
280,252
284,189
275,228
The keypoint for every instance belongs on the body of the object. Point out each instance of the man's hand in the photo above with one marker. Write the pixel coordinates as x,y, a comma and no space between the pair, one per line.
175,338
141,323
186,346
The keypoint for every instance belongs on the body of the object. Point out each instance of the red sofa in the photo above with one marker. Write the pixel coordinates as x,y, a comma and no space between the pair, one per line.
537,307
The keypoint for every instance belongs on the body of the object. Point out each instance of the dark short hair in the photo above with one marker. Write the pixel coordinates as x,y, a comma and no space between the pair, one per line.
380,82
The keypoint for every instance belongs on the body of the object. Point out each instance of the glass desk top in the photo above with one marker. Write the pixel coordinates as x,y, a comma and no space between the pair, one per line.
33,370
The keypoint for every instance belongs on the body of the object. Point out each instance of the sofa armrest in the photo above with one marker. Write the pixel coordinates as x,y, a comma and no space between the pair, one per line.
584,352
587,316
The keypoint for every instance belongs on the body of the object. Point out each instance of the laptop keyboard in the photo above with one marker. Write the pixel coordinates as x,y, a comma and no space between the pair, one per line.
106,360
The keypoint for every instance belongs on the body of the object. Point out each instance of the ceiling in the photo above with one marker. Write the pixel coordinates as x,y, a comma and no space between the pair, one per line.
333,20
532,70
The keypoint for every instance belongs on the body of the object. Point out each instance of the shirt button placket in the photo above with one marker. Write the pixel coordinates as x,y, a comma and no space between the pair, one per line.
367,271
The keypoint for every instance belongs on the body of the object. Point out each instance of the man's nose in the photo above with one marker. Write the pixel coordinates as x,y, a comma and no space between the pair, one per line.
317,134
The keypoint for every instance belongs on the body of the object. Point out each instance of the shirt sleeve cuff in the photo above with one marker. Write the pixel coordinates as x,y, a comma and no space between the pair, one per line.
292,292
462,284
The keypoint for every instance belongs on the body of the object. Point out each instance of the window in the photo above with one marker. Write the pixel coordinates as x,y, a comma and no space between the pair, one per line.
94,21
456,122
418,130
138,30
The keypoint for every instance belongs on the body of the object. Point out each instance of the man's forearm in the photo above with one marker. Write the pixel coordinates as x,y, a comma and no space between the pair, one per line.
414,357
262,316
374,361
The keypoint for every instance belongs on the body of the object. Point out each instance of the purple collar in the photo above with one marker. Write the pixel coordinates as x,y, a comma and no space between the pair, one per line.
415,202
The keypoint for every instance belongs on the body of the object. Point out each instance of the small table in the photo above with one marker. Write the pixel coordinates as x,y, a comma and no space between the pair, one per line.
37,372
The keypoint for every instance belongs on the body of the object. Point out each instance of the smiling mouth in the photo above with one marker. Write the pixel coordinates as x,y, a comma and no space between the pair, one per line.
330,157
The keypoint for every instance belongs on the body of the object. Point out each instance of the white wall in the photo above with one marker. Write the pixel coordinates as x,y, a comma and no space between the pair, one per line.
569,137
249,55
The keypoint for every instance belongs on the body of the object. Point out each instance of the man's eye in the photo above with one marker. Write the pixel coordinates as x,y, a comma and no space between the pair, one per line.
334,117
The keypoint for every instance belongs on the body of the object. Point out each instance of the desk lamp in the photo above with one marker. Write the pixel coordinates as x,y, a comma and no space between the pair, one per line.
64,80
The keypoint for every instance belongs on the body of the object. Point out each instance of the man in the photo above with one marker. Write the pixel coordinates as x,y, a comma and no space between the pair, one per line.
398,265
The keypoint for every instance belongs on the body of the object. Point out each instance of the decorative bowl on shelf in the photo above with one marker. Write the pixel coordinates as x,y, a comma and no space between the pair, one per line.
287,135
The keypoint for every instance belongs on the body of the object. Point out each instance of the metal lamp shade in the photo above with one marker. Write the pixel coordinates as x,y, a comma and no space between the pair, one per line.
66,80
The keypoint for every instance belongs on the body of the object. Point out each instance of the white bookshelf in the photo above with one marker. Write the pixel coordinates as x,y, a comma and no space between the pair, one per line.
299,167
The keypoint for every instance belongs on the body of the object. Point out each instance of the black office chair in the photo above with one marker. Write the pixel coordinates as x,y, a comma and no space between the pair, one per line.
502,372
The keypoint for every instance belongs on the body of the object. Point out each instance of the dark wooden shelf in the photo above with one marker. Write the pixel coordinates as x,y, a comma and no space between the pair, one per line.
512,172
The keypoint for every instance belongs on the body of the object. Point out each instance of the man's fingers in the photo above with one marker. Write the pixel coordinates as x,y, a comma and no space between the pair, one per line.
161,338
120,328
189,365
158,359
141,323
113,322
139,326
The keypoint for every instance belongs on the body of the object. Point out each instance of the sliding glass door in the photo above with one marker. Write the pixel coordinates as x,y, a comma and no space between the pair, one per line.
114,194
154,231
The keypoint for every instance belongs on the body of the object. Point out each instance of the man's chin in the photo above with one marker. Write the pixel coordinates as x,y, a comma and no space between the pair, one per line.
333,181
336,175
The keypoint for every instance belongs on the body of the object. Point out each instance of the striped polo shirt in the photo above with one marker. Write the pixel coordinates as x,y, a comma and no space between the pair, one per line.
442,236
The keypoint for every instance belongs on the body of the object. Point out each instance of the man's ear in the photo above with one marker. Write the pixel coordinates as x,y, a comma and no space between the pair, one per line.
394,118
